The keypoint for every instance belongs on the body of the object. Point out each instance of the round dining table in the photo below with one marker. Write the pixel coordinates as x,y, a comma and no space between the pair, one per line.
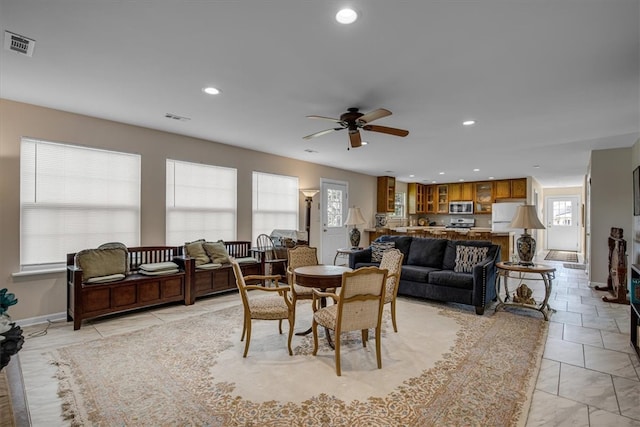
321,277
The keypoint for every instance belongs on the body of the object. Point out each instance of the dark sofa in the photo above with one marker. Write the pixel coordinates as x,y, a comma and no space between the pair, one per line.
429,269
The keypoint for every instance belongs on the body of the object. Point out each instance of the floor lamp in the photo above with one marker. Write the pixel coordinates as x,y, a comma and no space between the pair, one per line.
308,198
527,218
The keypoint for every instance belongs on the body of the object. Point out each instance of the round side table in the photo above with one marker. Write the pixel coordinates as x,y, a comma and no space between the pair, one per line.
508,270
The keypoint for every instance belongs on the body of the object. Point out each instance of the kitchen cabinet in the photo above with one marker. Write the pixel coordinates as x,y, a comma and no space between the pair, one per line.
519,188
415,199
386,194
430,198
442,194
511,188
483,198
459,192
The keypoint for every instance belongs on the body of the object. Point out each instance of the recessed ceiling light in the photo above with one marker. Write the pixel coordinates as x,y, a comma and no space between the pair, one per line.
476,170
211,90
434,181
364,142
346,16
491,177
468,123
411,176
441,173
461,180
536,166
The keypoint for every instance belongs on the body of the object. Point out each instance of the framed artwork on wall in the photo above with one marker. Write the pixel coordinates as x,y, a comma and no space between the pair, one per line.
636,191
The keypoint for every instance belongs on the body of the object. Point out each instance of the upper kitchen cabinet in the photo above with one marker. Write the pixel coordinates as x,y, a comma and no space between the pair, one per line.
429,199
416,198
386,194
462,191
511,188
483,197
442,194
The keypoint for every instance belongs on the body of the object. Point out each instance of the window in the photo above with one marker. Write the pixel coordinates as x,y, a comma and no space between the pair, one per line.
562,213
201,202
73,198
399,205
275,203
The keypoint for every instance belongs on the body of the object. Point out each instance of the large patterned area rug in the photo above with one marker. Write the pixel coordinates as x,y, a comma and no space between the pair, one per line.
445,366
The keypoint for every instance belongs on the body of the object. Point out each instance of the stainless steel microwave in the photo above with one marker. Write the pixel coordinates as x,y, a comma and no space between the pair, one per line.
457,208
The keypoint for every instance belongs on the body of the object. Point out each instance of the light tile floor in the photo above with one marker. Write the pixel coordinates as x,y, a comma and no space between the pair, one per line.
589,374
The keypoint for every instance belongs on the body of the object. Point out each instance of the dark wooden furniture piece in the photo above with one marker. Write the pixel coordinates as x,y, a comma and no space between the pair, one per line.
617,278
212,281
86,301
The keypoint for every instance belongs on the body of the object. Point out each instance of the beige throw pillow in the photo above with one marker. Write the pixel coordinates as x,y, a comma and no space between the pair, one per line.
195,250
217,251
101,262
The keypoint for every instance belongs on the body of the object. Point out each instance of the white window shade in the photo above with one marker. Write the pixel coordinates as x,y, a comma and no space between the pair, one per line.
73,198
275,203
201,202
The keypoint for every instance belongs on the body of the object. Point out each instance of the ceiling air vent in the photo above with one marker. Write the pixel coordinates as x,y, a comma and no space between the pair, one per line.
176,117
18,43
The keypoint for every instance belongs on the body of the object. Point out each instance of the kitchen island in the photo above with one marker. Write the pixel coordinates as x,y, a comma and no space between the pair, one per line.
504,239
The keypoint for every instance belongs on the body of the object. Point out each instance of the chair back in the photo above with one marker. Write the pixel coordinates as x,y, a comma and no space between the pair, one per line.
392,262
264,242
361,299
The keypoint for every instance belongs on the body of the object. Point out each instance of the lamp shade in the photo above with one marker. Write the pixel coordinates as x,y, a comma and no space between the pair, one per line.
354,217
527,218
310,193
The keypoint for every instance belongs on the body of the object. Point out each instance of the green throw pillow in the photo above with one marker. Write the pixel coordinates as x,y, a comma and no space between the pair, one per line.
101,262
196,250
217,252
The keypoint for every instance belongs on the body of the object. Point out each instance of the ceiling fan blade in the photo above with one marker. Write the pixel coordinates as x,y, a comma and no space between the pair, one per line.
385,129
354,137
322,132
374,115
324,118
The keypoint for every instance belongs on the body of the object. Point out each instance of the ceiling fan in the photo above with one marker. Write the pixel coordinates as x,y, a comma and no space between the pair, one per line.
354,120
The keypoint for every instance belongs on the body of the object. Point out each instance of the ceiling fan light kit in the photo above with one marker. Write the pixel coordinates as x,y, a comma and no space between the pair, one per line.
354,120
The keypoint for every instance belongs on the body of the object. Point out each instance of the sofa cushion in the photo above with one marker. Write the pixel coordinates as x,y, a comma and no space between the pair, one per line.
217,252
427,252
379,248
450,253
414,273
468,256
366,264
451,279
196,250
101,262
403,244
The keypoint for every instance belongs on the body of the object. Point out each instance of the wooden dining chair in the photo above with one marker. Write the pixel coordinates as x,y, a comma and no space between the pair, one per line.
392,262
273,263
358,307
300,256
276,307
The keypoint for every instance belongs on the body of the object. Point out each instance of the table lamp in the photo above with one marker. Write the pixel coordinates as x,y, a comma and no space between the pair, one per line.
527,218
354,217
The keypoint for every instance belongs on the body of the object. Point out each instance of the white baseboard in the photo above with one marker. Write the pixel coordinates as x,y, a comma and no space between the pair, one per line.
54,317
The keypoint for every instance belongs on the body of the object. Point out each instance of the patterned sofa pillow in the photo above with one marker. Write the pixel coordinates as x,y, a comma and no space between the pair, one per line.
468,256
378,248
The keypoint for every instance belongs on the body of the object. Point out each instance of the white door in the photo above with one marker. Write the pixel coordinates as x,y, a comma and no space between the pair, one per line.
562,223
334,207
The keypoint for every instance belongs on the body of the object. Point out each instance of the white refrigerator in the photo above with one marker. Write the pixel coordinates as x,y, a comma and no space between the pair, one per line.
501,216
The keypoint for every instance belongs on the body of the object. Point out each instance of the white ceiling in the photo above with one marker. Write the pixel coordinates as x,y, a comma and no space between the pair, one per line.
547,81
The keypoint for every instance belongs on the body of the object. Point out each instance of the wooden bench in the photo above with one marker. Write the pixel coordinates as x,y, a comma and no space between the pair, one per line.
212,281
91,300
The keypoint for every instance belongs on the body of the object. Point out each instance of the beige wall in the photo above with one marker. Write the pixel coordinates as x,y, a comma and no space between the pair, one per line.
611,204
44,295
